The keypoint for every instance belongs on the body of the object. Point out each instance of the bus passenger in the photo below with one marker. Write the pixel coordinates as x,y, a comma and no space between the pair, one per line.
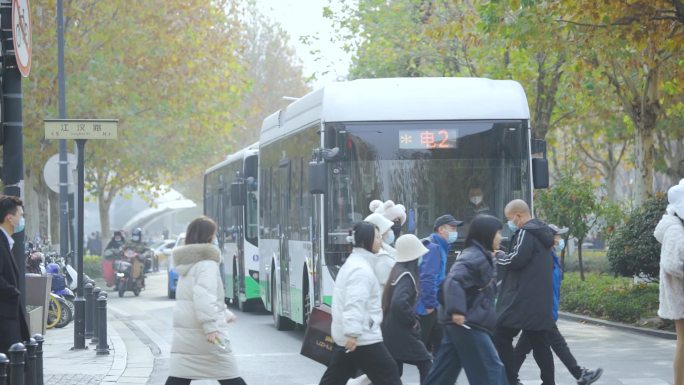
468,314
400,326
477,204
432,272
357,315
385,256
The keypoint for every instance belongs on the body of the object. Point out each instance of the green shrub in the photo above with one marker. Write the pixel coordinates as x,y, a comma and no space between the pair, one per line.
92,266
633,250
607,297
594,261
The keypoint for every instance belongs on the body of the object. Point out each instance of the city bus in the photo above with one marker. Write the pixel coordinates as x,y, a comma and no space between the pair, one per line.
425,143
231,198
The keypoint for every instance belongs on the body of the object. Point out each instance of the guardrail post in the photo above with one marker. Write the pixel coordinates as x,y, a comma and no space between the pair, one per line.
3,369
30,373
102,346
39,358
94,316
88,290
17,353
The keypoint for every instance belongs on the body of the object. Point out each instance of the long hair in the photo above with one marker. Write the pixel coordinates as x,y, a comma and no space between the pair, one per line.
364,235
200,230
483,229
397,269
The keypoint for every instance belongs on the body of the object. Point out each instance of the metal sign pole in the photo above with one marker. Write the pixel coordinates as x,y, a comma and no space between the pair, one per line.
63,179
79,302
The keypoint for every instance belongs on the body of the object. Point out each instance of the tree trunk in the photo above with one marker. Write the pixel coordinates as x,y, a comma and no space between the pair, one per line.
54,216
104,203
42,191
579,257
643,163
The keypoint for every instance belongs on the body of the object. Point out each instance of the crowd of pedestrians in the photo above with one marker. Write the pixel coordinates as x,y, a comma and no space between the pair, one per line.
395,303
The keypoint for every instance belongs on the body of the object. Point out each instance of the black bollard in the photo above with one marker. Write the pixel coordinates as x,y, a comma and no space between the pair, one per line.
90,301
30,373
16,353
3,369
102,347
39,358
93,309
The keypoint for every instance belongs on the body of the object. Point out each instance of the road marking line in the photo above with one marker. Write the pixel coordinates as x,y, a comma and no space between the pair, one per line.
164,347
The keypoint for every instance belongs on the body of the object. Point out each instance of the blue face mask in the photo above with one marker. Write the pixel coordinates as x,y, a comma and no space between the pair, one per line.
453,236
20,226
512,226
560,246
389,238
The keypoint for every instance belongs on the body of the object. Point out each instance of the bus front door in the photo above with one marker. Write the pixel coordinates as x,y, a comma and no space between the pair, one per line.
284,225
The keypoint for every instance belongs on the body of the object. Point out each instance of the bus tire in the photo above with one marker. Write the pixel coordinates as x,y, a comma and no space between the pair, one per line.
280,322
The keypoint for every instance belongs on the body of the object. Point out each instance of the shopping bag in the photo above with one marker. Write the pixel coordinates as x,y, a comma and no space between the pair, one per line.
318,344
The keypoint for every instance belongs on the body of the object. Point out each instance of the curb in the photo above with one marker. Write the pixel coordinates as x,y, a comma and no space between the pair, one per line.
616,325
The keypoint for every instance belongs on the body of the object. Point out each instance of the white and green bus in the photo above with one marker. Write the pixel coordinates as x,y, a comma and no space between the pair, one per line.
421,142
231,200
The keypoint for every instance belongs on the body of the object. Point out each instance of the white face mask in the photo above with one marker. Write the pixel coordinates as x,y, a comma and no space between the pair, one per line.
389,237
476,200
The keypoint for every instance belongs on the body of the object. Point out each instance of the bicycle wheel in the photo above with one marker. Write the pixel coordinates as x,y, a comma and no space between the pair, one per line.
66,314
54,313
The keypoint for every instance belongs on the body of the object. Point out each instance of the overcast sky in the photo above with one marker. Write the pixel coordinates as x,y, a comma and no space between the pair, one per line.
305,18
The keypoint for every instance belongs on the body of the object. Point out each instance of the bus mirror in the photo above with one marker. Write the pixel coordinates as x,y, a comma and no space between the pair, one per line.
237,194
538,148
317,178
540,173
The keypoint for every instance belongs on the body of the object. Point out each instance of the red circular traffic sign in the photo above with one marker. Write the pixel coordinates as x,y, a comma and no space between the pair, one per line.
21,34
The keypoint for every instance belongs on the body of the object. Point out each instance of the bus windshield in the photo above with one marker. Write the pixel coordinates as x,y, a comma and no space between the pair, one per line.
459,167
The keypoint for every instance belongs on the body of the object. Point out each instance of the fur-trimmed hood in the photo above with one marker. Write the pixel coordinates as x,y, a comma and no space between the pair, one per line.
186,256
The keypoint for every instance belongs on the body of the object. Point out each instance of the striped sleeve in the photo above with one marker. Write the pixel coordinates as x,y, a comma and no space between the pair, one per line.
521,253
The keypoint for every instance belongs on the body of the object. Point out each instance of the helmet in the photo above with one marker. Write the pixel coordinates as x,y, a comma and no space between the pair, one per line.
52,268
136,235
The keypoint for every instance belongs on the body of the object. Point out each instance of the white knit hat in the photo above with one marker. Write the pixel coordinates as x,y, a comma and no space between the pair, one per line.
389,210
409,248
675,196
383,223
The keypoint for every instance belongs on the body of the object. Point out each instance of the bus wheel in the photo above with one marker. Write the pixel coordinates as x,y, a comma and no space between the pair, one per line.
280,322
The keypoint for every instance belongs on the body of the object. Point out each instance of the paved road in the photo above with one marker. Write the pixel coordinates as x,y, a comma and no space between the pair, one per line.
266,356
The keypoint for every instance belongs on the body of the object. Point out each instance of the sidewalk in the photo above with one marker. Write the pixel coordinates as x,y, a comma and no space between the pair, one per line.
129,360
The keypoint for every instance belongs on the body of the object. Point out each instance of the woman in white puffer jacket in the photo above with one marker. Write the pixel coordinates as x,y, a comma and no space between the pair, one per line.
200,349
670,233
357,315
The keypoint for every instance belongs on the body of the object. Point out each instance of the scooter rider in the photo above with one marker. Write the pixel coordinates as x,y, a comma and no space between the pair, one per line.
136,245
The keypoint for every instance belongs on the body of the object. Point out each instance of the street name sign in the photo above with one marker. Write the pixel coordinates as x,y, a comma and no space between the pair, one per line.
81,128
21,34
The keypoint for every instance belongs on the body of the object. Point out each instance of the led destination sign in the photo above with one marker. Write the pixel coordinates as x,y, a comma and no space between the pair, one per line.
427,139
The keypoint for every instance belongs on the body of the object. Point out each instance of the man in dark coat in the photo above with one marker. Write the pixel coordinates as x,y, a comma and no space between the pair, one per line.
526,291
12,313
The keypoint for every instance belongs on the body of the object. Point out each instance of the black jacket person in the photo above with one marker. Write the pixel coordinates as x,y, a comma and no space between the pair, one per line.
525,291
13,325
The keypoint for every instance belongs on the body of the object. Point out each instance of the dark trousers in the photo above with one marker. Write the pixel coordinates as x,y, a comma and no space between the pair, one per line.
423,368
374,360
558,345
430,332
471,350
186,381
503,339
